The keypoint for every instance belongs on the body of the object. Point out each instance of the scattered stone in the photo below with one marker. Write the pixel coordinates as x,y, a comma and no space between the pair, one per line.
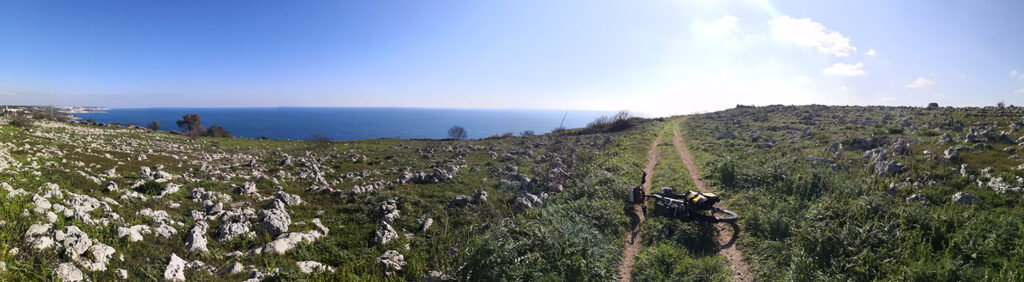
276,221
435,276
389,210
392,261
236,268
247,188
425,223
122,274
67,272
166,230
525,202
289,241
308,267
101,255
460,201
39,236
901,147
134,233
480,196
73,241
963,198
195,241
290,199
384,233
917,198
171,188
175,270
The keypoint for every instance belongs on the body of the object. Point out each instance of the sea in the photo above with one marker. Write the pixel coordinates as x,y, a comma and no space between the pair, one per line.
301,123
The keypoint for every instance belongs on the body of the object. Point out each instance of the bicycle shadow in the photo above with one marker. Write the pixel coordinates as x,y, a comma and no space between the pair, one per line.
735,234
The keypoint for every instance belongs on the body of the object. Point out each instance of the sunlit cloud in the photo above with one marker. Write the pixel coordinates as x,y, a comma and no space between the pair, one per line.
841,69
807,33
801,79
871,52
920,82
1019,91
722,26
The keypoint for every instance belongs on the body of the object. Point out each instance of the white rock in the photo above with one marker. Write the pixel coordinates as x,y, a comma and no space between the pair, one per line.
308,267
276,221
175,270
392,261
289,241
41,204
68,272
166,231
195,241
101,255
134,233
236,268
39,236
74,241
171,188
384,233
122,274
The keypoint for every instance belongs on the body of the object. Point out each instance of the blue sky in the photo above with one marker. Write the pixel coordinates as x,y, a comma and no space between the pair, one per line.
655,57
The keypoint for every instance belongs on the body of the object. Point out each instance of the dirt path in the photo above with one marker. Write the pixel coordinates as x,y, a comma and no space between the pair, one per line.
726,232
632,238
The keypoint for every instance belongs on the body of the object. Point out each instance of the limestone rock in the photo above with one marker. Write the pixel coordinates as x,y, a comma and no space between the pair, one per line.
175,270
67,272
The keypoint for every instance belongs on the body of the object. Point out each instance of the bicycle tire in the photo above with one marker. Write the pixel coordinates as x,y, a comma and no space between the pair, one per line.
729,218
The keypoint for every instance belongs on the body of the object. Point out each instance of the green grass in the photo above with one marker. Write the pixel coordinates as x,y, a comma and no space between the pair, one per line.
577,233
806,222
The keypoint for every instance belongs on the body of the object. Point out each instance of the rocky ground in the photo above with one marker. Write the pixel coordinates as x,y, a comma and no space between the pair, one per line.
81,202
870,193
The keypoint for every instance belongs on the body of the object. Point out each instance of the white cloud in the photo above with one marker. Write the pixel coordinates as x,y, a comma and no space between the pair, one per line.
8,93
801,79
1019,91
842,69
807,33
871,52
1014,72
1017,74
722,26
920,82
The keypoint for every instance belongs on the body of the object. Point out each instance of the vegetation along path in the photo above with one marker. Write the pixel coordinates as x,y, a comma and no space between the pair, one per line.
727,232
633,237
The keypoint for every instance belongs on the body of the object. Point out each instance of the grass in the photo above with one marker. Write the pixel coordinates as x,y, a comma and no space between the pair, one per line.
803,221
581,227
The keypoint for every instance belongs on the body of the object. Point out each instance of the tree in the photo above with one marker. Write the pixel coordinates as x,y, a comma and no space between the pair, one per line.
192,126
457,133
217,131
189,122
153,125
1001,104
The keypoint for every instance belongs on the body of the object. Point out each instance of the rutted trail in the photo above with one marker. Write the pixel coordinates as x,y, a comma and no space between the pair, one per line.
632,239
726,232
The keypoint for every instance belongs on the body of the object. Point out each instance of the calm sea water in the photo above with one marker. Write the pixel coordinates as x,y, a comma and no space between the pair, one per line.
354,123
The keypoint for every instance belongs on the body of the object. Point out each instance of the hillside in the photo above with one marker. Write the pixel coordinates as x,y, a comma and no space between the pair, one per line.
108,202
823,193
870,193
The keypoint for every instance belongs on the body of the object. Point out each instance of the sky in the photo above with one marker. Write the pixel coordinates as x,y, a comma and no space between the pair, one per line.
652,57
